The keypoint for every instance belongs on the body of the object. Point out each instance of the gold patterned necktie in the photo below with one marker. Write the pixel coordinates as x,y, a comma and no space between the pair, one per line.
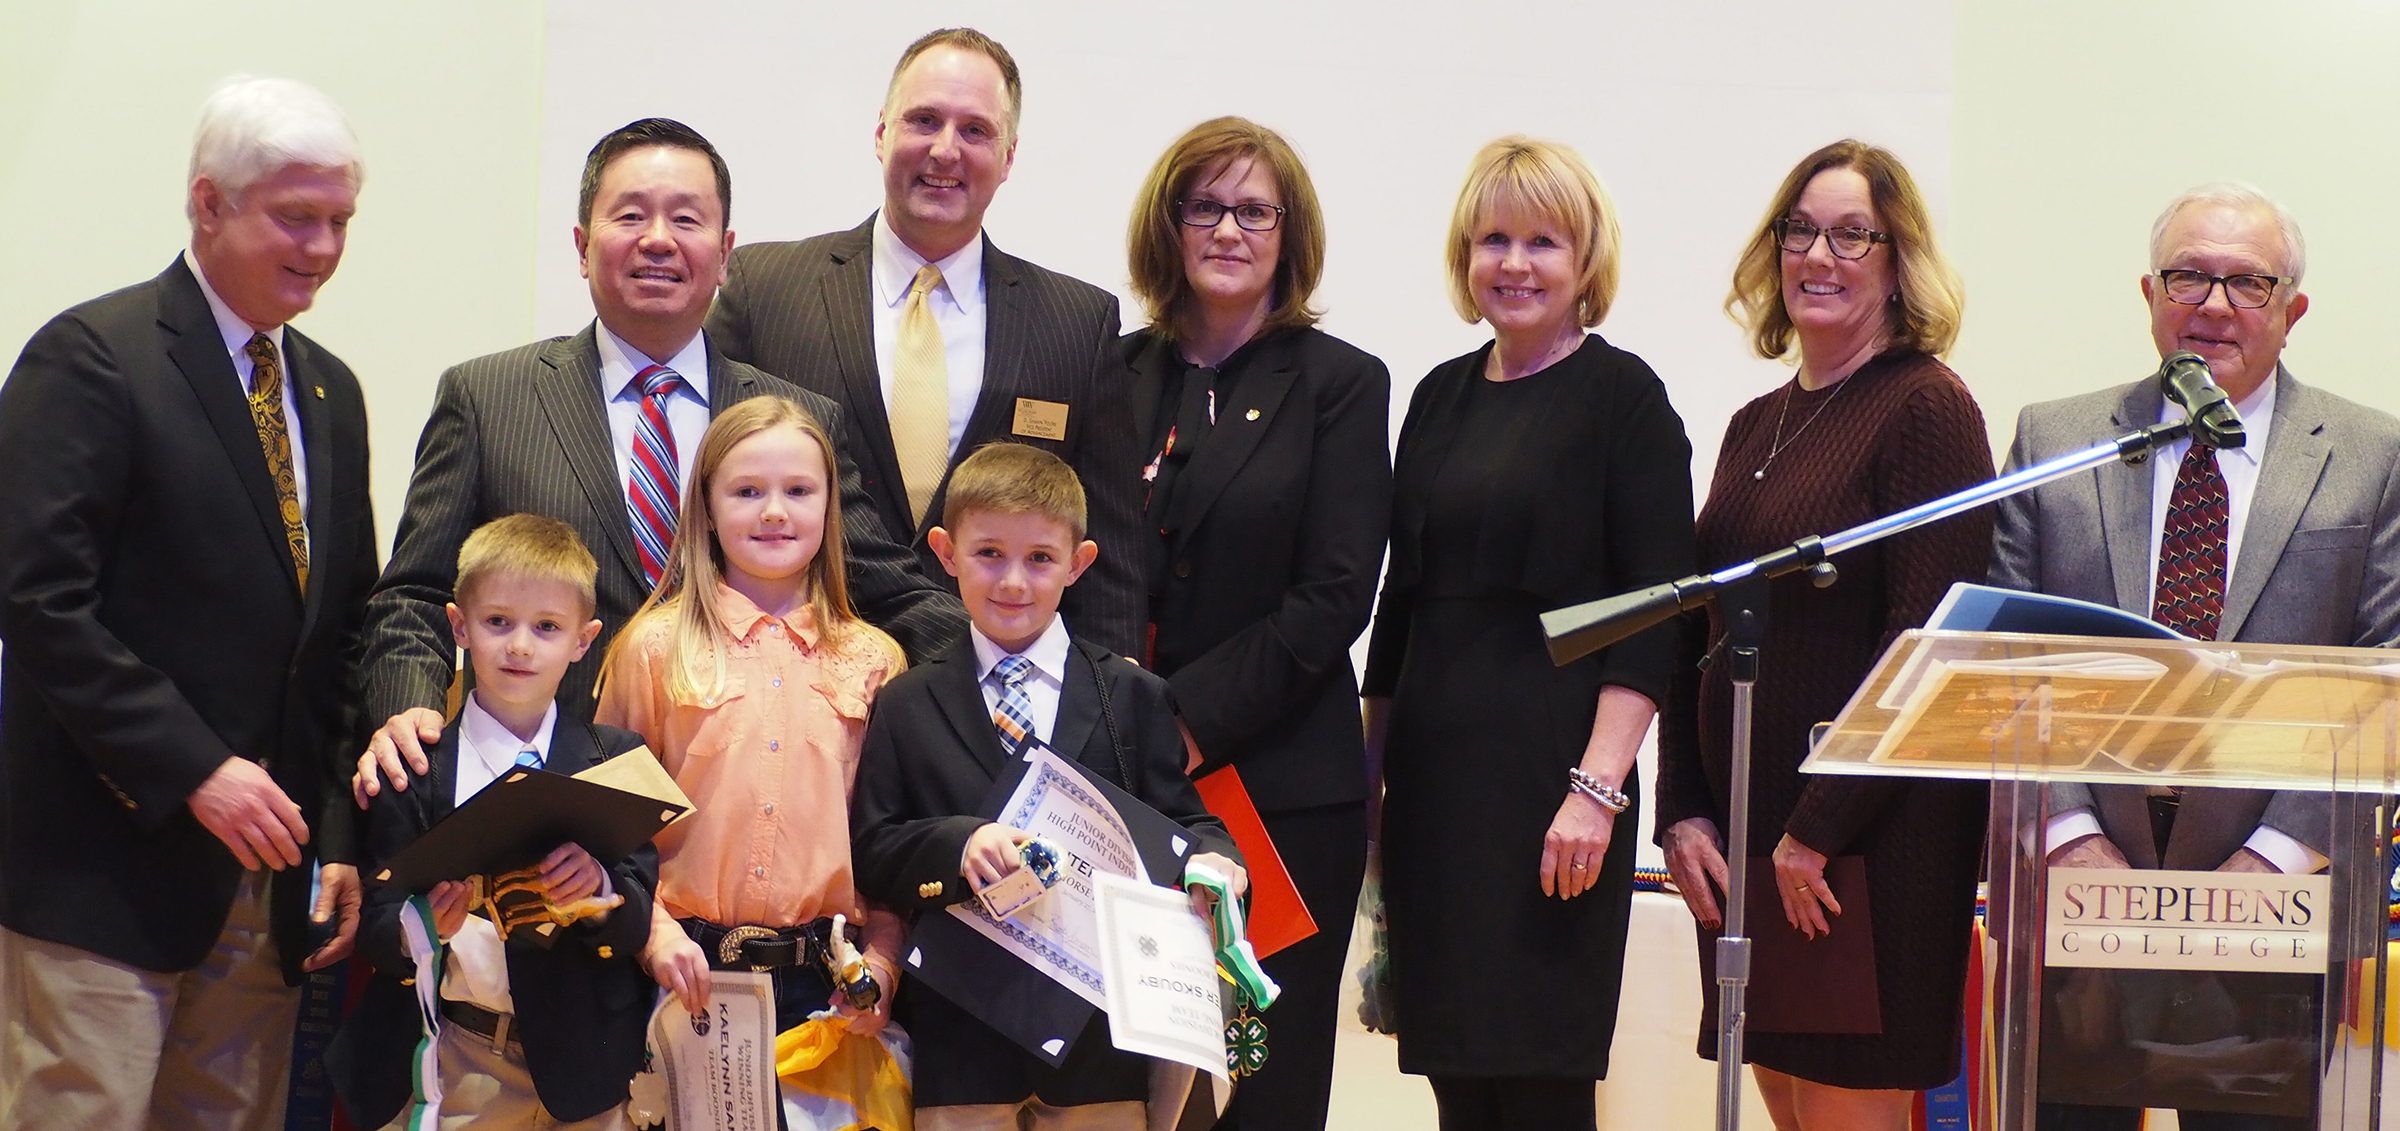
921,396
266,412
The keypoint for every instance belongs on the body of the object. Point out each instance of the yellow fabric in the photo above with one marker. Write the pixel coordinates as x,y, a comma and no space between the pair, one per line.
921,396
266,412
823,1057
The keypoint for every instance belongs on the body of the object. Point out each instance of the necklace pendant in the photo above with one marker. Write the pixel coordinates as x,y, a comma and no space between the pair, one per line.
1761,473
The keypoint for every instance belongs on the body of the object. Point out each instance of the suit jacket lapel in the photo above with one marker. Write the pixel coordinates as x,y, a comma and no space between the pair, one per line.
316,437
440,788
1004,378
847,288
1150,385
1242,421
2125,504
725,388
572,749
961,703
199,351
568,386
2287,475
1078,712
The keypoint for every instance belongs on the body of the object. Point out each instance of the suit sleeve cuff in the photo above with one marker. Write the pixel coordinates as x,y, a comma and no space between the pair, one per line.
2066,828
2288,855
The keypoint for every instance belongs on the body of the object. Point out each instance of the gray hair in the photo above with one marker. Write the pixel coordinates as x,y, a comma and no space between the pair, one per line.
2236,194
252,127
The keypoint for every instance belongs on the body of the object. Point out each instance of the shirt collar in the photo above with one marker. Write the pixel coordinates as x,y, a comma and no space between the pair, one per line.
1048,652
2257,413
494,744
236,332
741,617
896,265
620,362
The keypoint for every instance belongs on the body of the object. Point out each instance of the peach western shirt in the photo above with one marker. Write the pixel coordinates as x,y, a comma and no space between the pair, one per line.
767,762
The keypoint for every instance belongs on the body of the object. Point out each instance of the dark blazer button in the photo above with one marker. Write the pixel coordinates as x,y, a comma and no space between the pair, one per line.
1183,569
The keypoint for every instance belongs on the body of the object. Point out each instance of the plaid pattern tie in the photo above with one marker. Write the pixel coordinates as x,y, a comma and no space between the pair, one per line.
530,759
650,491
2190,597
266,412
1015,716
920,396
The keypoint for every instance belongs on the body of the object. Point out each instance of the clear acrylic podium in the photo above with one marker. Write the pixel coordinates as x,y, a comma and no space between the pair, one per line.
2215,997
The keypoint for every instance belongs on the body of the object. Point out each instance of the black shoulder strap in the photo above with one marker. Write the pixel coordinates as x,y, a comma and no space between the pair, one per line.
1108,718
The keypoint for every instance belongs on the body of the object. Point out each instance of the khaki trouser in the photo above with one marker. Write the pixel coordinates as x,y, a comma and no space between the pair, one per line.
97,1045
482,1089
1034,1115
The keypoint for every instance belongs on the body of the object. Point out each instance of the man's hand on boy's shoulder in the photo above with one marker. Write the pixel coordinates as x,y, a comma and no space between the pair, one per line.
396,750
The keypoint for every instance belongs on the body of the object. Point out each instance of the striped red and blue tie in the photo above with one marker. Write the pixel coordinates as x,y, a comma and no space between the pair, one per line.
650,492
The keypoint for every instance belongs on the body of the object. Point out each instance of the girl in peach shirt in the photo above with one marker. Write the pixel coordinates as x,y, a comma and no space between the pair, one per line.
750,678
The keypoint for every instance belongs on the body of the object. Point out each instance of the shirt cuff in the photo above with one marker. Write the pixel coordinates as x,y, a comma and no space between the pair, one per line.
2286,853
2067,828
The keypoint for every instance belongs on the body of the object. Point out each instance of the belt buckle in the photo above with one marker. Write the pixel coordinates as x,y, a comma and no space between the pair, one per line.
500,1027
729,945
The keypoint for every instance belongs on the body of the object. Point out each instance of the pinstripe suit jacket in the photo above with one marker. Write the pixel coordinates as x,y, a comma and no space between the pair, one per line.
527,430
801,311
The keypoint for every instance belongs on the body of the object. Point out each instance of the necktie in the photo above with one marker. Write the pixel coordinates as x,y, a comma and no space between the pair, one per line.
530,759
266,412
650,491
921,396
1015,716
2190,597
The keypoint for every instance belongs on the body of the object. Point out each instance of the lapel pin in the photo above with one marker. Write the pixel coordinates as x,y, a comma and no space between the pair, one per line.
320,391
1250,415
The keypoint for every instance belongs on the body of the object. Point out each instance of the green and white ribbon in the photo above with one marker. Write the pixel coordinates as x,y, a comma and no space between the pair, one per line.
1234,955
423,944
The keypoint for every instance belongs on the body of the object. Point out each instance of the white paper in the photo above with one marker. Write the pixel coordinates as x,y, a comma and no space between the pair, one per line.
1161,968
1059,934
720,1068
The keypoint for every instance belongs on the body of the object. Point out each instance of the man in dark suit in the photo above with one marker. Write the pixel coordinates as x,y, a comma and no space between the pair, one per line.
937,342
186,548
2292,539
533,430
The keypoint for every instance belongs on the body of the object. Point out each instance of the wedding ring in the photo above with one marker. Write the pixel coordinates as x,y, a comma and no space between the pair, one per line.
1578,865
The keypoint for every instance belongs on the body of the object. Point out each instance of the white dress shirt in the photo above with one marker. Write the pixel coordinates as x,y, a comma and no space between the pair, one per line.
237,334
1049,655
2239,466
958,308
478,970
687,407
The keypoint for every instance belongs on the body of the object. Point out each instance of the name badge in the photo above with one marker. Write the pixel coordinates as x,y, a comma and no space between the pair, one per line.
1041,420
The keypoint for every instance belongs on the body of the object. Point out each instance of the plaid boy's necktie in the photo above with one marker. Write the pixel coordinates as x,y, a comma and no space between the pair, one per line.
650,491
1015,716
2190,597
530,759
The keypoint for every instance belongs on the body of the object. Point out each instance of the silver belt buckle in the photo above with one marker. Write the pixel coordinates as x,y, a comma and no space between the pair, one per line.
729,948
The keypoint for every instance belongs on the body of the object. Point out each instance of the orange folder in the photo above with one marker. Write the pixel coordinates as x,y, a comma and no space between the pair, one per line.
1278,917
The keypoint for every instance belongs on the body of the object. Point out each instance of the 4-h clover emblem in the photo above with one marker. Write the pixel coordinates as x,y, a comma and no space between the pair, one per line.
1149,947
1245,1043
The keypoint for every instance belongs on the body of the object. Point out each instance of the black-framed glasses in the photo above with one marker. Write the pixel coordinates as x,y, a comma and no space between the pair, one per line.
1251,217
2247,292
1847,243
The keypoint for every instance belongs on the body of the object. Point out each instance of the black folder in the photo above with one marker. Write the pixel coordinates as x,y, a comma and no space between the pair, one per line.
998,988
516,821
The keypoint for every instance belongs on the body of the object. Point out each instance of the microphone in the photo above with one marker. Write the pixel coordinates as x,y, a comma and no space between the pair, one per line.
2185,380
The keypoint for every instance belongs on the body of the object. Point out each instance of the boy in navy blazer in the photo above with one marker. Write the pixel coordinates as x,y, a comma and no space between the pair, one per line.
531,1036
1012,533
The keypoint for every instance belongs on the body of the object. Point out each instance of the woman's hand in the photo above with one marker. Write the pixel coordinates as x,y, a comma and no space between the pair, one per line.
1696,860
1575,845
1800,879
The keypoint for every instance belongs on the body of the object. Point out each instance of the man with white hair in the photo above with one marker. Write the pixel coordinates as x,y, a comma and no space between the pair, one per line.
186,549
2293,538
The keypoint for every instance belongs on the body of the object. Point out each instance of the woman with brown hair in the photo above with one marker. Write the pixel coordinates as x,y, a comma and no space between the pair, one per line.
1269,495
1842,276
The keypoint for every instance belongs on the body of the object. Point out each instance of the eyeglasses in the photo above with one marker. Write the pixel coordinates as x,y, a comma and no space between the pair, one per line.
1251,217
2247,292
1847,243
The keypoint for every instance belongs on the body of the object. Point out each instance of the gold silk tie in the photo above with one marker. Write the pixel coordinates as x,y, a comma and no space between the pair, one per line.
920,397
266,412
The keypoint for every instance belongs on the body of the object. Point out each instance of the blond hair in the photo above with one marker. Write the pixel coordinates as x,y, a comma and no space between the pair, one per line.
1930,302
686,597
1009,478
1154,237
1551,181
528,546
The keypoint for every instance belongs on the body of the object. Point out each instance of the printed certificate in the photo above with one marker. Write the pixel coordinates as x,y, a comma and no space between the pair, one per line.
1059,934
720,1068
1163,990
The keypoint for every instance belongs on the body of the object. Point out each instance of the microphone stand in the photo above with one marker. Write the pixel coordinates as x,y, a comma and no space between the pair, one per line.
1740,592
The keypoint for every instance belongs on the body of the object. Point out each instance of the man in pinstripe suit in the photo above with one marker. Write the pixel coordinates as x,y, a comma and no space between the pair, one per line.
1023,354
550,428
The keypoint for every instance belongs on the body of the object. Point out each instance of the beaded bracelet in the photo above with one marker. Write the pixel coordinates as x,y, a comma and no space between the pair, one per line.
1609,797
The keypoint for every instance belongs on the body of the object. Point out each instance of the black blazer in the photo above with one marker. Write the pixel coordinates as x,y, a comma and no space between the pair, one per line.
931,754
801,311
583,1005
155,627
527,430
1270,577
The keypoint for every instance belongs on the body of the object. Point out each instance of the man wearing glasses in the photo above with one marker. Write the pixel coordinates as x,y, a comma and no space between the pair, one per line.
2292,539
936,343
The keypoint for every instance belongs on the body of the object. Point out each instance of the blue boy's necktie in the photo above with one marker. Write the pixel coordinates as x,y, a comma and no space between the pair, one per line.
1015,716
530,759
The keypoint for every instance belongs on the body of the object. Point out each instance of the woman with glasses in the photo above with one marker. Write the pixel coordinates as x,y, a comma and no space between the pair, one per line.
1544,469
1269,496
1842,276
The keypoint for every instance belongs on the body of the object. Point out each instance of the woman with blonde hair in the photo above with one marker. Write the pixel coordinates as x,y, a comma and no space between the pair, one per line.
1541,470
1841,277
1269,496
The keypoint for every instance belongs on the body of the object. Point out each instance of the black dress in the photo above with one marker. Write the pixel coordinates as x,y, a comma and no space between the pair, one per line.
1512,498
